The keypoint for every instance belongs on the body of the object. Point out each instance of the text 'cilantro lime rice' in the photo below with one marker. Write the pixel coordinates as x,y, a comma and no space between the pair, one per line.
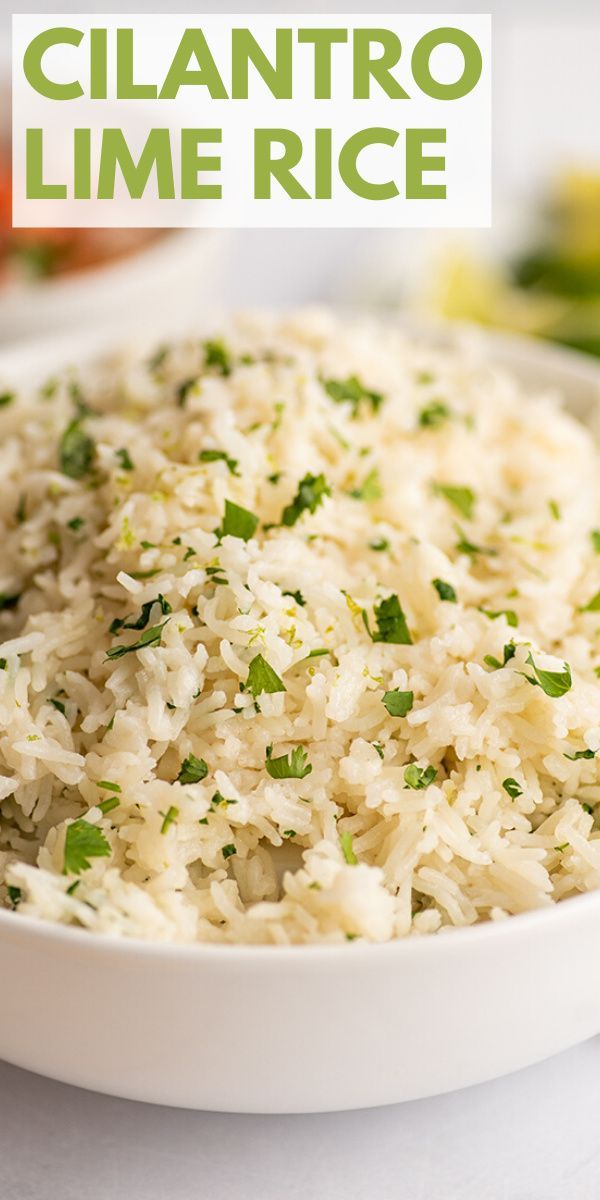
300,641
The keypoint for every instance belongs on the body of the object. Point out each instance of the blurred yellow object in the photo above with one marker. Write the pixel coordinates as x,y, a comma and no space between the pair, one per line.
466,288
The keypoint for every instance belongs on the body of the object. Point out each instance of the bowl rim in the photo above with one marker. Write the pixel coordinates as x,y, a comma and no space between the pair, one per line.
296,954
509,349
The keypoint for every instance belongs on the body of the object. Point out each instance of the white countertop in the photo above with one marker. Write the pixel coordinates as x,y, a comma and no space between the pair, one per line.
531,1136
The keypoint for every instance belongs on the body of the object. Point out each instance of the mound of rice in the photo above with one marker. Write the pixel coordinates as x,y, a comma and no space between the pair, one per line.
299,633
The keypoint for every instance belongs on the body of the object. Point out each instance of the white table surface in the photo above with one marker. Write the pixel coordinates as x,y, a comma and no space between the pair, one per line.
532,1136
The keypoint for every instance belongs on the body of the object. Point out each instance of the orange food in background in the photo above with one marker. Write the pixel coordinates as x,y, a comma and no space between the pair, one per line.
43,253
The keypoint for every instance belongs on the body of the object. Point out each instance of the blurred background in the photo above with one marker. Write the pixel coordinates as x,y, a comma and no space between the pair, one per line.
537,270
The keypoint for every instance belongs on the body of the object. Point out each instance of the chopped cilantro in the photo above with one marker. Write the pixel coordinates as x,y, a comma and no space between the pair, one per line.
553,683
210,456
512,788
76,451
554,510
75,524
419,777
144,616
82,842
434,414
581,754
183,390
58,705
310,494
297,596
398,703
391,623
107,805
6,398
217,355
464,546
445,591
511,616
169,818
3,664
262,678
560,849
228,850
347,849
509,652
237,522
125,459
461,498
378,747
15,895
21,510
192,770
370,489
595,536
379,544
351,390
288,766
592,605
150,637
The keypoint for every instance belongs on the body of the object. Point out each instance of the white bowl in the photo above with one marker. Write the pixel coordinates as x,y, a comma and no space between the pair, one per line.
165,281
300,1029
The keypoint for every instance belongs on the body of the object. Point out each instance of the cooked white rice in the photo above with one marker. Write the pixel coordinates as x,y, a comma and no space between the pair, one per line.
477,803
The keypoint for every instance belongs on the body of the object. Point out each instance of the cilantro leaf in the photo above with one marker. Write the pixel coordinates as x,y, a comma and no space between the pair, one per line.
434,414
347,849
228,850
461,498
76,451
370,489
82,842
464,546
595,536
262,678
144,616
150,637
553,683
398,703
513,788
581,754
210,456
379,544
311,491
192,770
419,778
237,522
217,355
125,459
592,605
511,616
183,390
391,623
509,652
6,398
288,766
351,390
445,591
297,596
